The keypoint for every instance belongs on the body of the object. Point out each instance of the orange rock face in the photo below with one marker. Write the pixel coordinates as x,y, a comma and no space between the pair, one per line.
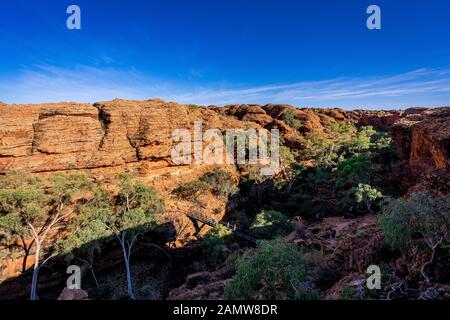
380,120
424,139
65,136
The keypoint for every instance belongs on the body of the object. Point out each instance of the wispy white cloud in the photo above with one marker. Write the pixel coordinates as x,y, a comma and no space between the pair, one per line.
48,83
424,86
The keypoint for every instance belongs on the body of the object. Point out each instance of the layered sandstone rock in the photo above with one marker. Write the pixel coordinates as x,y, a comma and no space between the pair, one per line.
310,119
423,139
65,136
380,120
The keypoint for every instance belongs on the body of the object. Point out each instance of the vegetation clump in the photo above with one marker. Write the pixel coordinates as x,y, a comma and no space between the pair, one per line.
423,217
291,120
270,223
215,244
274,270
219,182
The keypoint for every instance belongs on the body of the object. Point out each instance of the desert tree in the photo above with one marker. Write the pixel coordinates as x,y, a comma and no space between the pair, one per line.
132,214
124,216
191,190
290,168
64,191
269,224
33,210
422,214
362,197
22,203
87,231
352,171
362,140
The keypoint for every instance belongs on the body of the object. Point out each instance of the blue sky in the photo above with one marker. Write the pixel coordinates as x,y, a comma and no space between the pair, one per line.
307,53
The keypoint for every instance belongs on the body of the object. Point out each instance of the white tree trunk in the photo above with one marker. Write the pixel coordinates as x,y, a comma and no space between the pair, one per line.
34,280
126,259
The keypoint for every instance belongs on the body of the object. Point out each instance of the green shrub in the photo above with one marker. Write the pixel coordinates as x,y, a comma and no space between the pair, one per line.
347,293
352,171
382,142
341,133
269,224
191,190
194,107
361,198
447,246
363,139
220,182
423,214
274,270
318,148
215,244
290,119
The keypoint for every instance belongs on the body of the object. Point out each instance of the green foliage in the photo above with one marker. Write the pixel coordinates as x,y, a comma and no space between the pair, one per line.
347,293
66,187
287,158
382,142
275,270
88,232
318,148
215,244
135,205
30,208
289,167
194,107
18,178
340,132
362,197
25,200
191,190
290,119
132,210
447,246
323,150
219,182
22,201
421,214
362,140
135,194
269,224
368,139
352,171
